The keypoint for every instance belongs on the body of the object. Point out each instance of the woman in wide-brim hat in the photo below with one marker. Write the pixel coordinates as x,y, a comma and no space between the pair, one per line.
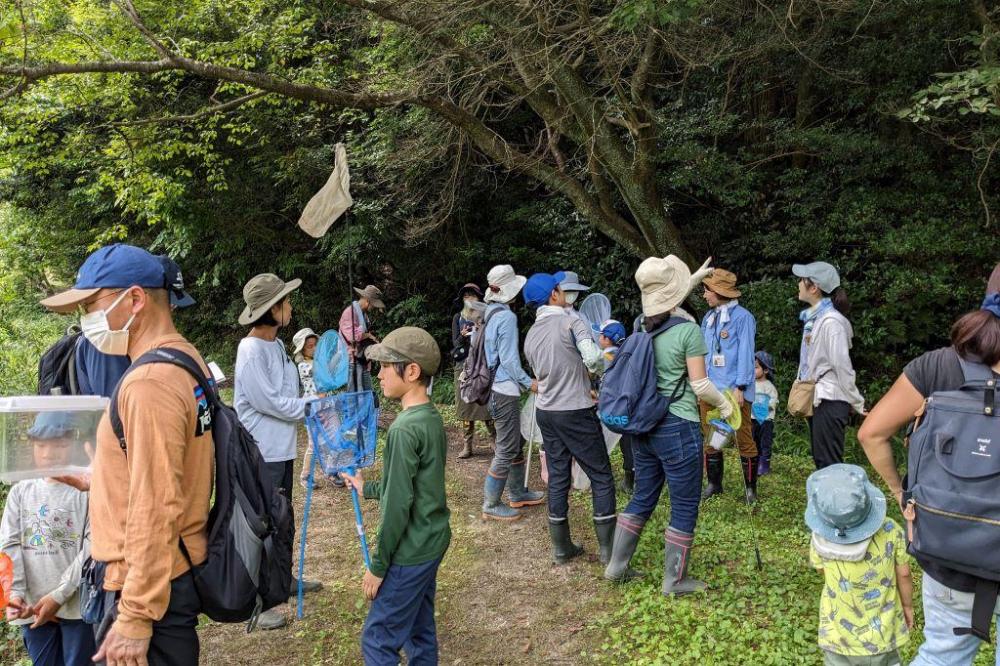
464,325
671,452
266,390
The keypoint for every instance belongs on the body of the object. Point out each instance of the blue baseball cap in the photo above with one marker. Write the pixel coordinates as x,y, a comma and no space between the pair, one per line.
117,266
539,286
174,280
612,329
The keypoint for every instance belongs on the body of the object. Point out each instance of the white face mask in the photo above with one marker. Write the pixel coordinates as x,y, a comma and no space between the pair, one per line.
571,297
98,331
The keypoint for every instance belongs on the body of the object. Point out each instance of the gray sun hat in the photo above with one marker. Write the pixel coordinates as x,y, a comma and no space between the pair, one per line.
844,507
408,344
373,294
822,274
261,293
571,282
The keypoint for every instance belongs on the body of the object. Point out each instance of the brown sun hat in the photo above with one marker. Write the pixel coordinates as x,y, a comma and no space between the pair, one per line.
373,294
723,283
261,293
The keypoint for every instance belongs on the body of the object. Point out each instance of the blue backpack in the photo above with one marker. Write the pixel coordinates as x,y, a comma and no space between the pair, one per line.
629,402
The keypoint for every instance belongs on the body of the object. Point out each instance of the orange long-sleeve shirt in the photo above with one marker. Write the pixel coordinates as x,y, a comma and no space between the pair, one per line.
142,503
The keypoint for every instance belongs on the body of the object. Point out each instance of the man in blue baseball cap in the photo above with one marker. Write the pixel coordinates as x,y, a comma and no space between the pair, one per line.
147,503
562,353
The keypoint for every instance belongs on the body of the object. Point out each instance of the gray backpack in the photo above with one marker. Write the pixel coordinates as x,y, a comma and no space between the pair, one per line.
953,486
477,374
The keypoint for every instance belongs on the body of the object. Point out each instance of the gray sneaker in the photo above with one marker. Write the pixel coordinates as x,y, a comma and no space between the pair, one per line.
272,619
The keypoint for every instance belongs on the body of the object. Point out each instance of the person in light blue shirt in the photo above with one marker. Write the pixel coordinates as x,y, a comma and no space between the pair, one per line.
503,354
730,331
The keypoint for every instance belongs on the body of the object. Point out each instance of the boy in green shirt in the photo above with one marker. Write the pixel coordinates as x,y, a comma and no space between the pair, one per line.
414,532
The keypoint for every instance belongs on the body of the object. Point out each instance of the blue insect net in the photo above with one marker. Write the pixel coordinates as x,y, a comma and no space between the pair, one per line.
343,433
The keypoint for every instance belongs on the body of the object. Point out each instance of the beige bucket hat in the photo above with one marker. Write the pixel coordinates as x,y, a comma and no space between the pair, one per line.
262,292
373,294
664,283
504,284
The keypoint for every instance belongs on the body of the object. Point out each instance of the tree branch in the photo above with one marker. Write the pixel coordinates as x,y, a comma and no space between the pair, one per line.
215,109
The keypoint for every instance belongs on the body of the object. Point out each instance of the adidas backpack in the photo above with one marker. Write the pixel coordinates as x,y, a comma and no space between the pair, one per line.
953,474
250,526
629,402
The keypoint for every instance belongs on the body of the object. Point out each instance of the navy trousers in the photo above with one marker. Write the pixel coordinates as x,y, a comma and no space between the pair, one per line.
402,618
69,642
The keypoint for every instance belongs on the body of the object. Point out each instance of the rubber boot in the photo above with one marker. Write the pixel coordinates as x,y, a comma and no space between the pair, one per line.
713,470
750,476
493,507
516,493
470,436
627,533
676,558
492,429
627,484
563,548
604,528
764,465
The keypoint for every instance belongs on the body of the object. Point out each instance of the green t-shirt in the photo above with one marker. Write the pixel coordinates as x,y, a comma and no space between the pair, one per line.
672,350
860,613
414,528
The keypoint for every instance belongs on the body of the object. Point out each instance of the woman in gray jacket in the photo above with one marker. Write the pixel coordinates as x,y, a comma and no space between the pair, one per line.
825,358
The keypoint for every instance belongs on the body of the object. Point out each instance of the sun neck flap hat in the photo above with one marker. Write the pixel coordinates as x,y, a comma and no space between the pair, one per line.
844,507
116,266
612,329
664,283
723,283
820,273
261,293
504,284
408,344
571,282
300,338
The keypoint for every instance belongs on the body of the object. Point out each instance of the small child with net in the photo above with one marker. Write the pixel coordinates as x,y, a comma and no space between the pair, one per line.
414,532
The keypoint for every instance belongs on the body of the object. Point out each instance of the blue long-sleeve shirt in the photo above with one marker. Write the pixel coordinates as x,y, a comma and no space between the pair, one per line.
735,341
502,347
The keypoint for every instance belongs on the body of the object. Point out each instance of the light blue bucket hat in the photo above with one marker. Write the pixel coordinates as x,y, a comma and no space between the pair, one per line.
844,507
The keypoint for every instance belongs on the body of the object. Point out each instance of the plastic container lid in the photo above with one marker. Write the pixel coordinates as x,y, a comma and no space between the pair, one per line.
53,403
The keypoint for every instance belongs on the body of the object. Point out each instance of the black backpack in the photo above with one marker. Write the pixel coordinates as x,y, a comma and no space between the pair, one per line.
250,527
57,367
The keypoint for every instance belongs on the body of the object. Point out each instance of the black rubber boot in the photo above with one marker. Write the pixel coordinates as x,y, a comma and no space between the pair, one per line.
627,533
563,548
627,484
605,530
713,470
676,558
750,476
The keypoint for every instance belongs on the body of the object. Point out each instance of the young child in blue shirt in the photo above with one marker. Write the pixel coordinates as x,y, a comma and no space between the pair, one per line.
763,410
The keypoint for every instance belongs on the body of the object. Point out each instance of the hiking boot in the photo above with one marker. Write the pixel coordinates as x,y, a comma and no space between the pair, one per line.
750,477
563,548
627,484
676,558
308,586
627,533
493,507
272,619
470,437
605,529
713,470
517,492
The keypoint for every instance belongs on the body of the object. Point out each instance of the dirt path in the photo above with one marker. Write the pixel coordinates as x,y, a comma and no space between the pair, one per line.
499,599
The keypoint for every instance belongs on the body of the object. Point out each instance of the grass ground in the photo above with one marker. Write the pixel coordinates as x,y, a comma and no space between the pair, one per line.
501,601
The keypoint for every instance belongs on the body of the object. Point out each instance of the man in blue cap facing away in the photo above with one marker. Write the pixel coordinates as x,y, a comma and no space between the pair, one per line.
562,353
147,503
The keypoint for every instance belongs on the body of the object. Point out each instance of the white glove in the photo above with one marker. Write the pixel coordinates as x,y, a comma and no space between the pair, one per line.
700,274
705,390
726,409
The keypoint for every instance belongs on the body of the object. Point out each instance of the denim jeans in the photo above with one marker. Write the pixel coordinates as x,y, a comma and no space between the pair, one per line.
671,453
945,609
67,642
402,617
